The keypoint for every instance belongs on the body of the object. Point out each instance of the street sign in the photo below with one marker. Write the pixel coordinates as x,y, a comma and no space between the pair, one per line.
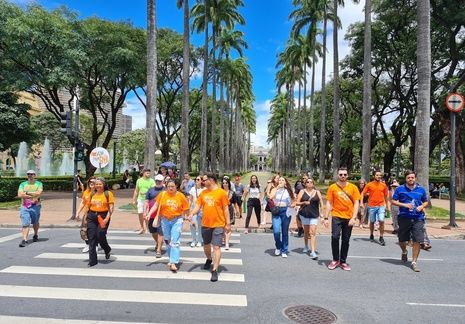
455,102
99,157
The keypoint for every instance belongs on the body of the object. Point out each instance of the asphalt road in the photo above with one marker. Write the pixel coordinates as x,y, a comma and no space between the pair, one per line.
50,280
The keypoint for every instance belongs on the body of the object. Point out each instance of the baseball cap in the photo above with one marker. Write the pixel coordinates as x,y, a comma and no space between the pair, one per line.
159,177
30,172
226,177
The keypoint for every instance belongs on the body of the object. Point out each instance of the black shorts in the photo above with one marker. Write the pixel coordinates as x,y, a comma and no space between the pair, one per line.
239,200
213,235
410,229
154,229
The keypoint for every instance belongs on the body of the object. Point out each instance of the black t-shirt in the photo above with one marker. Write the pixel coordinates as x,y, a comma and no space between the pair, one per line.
312,210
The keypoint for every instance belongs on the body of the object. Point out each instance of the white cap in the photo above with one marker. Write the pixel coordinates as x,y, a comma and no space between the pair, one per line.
159,177
30,171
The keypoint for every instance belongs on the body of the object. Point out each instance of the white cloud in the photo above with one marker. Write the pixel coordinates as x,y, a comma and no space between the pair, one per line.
263,114
135,109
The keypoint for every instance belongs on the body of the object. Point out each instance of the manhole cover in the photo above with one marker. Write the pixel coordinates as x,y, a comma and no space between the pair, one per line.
309,314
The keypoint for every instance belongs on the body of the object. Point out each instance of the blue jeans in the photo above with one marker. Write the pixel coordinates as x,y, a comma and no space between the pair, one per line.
281,230
172,234
196,233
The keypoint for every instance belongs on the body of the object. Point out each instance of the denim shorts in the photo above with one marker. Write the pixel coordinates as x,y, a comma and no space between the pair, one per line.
308,221
376,213
154,229
29,215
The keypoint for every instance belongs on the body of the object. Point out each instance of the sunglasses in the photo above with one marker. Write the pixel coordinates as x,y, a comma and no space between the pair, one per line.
309,181
203,180
343,174
198,179
30,174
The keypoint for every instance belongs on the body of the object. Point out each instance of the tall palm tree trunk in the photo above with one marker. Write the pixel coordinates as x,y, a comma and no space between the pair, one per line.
424,93
366,115
322,164
185,92
304,123
222,129
151,107
203,131
336,108
214,125
311,157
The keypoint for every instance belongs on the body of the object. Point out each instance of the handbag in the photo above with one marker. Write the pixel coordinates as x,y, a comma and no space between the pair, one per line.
276,209
83,229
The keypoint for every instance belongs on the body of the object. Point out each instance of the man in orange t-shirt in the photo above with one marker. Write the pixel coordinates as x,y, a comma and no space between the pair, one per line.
215,221
378,201
342,202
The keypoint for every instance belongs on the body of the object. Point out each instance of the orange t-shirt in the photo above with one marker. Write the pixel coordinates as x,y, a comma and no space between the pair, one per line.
172,205
213,203
342,206
86,197
98,202
377,192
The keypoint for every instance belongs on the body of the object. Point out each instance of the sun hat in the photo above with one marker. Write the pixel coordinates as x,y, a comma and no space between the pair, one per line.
159,177
30,172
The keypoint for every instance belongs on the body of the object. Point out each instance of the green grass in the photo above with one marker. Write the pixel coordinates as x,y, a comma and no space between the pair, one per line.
10,204
127,207
441,213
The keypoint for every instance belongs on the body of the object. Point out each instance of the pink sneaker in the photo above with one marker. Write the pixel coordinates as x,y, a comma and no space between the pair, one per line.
333,265
345,267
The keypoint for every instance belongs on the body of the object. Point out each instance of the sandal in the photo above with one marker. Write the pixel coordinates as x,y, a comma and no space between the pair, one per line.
173,268
158,255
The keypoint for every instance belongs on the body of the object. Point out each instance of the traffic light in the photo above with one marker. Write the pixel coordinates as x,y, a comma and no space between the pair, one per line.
79,153
65,123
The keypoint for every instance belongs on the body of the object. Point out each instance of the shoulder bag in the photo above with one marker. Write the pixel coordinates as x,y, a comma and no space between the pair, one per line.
275,209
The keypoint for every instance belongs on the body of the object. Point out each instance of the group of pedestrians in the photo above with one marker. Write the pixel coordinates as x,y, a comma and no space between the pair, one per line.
211,209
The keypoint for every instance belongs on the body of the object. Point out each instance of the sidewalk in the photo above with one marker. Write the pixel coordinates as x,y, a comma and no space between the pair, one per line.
56,211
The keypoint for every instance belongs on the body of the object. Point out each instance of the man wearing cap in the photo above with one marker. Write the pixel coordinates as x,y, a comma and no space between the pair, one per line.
138,199
29,191
239,190
154,229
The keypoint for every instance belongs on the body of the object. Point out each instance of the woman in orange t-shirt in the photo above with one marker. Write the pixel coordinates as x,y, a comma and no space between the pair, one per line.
171,206
99,209
86,194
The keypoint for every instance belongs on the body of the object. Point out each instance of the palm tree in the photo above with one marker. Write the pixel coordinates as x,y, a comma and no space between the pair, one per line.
151,107
424,92
366,115
184,152
201,18
336,96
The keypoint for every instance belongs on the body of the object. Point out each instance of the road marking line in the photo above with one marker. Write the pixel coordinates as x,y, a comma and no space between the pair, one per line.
150,247
118,273
13,236
131,296
438,305
136,233
389,257
44,320
145,238
132,258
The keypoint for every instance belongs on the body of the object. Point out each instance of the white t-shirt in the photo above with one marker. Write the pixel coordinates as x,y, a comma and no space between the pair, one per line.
254,192
195,193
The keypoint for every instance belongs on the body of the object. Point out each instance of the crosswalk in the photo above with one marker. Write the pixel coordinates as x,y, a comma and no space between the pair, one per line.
132,278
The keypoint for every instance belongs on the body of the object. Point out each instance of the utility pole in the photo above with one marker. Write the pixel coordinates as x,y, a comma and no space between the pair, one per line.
77,147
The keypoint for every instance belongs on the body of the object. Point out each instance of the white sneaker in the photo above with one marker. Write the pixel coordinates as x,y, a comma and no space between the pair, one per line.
277,252
85,249
226,247
284,255
193,244
305,250
198,244
314,256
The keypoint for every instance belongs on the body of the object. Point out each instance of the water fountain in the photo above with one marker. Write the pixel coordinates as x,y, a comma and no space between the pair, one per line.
45,161
66,166
22,160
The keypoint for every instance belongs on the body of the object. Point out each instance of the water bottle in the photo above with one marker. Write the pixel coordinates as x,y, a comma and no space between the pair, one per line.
413,211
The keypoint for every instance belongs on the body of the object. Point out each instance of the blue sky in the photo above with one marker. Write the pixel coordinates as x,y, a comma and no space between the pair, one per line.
266,32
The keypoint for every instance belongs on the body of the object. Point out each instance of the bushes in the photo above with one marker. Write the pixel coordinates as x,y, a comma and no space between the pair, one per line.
9,186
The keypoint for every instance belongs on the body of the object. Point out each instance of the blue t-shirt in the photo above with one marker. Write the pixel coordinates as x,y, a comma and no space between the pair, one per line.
416,196
189,185
152,194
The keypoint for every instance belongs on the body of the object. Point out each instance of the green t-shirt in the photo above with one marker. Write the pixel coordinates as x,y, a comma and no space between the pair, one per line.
27,187
144,185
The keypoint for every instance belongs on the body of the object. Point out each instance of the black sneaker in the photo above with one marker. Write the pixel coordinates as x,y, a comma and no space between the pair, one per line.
35,238
23,243
300,232
381,241
372,238
207,264
214,277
